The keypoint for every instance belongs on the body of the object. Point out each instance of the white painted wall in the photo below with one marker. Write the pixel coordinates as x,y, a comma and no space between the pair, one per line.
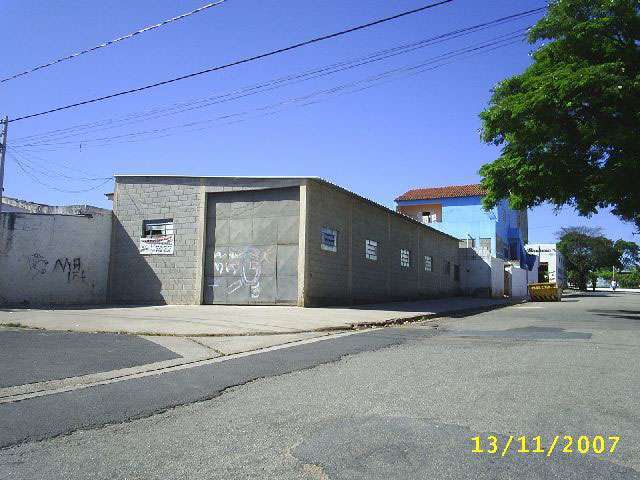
475,273
548,253
482,274
54,259
497,277
518,282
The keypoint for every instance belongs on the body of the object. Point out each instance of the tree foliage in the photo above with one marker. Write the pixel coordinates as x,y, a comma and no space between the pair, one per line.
629,254
629,279
569,125
586,251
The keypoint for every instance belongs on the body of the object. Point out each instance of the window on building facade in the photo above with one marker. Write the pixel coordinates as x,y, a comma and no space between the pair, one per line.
371,250
329,239
405,260
428,263
151,228
447,267
467,243
456,273
428,217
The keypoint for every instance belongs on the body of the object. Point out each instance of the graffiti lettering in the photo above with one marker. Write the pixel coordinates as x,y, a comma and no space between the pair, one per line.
63,265
73,269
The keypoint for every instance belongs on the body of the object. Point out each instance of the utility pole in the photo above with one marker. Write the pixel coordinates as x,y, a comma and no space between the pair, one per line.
3,151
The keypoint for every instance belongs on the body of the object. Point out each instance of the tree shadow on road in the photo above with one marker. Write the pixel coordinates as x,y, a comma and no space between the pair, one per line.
624,314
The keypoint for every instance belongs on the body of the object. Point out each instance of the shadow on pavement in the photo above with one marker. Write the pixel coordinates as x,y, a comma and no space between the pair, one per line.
623,314
37,356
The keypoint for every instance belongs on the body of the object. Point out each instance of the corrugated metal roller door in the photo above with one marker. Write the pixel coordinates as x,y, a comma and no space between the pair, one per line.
251,254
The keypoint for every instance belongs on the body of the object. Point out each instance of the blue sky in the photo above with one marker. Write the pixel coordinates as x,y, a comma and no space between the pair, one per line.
420,130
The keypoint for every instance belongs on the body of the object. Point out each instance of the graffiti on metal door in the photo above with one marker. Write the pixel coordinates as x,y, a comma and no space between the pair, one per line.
244,265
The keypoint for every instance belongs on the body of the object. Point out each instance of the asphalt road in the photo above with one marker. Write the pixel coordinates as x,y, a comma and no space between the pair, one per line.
395,403
29,356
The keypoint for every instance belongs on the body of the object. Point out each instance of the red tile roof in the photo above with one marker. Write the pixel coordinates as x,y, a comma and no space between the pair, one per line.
442,192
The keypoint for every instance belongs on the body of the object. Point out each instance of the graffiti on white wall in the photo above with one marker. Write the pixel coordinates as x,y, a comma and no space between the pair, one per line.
37,264
245,266
71,269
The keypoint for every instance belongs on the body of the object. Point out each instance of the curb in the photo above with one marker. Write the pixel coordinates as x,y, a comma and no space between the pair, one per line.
339,328
463,312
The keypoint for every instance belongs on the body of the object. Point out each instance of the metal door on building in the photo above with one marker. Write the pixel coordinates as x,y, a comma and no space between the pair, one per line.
251,254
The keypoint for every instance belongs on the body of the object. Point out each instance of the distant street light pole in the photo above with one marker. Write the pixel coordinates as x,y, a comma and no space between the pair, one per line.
3,151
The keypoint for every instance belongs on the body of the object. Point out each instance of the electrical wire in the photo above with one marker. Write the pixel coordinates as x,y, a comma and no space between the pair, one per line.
44,167
305,100
235,63
112,42
33,177
308,99
176,108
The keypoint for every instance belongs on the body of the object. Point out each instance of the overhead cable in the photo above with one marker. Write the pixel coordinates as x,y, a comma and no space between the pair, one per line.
308,99
112,42
236,62
33,177
185,106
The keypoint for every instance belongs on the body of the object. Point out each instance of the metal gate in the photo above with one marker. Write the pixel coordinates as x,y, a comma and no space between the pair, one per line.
251,255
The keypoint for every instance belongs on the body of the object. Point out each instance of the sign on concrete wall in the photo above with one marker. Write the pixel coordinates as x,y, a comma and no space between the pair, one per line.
157,245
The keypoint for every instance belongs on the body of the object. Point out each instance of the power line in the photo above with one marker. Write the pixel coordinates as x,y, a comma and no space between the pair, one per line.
45,167
114,41
34,140
185,106
33,177
237,62
368,82
308,99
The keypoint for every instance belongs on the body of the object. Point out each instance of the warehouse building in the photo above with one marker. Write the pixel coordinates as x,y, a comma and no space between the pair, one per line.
269,240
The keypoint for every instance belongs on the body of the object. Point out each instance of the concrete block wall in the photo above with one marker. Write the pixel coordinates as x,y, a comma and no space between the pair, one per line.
56,259
156,279
328,278
346,276
370,279
167,279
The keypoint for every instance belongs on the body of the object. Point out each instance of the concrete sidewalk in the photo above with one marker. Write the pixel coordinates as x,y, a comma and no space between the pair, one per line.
228,320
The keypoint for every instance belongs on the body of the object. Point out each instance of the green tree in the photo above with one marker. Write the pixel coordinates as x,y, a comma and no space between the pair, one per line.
569,125
630,279
586,251
629,254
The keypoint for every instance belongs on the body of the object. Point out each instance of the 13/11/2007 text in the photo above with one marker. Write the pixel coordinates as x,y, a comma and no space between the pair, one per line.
563,444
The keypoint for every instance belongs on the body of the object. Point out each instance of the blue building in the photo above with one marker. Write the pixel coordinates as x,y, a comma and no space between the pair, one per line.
457,210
